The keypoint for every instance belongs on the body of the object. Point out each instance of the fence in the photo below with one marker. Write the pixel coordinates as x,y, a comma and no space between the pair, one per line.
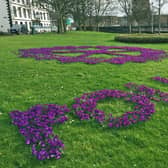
125,29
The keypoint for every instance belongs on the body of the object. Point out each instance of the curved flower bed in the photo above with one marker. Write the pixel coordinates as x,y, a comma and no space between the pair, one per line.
85,108
151,93
35,125
160,79
121,57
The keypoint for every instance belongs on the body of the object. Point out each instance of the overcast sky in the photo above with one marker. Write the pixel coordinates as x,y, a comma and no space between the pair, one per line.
164,10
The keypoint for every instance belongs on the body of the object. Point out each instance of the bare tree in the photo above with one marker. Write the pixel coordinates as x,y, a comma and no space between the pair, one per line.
82,9
101,8
126,6
159,5
152,16
141,12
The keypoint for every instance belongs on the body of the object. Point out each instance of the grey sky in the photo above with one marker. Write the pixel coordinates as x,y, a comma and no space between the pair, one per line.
164,9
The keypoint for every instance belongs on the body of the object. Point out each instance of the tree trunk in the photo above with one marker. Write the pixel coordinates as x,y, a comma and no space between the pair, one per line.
159,24
130,28
60,25
97,23
152,24
64,25
159,19
139,26
129,24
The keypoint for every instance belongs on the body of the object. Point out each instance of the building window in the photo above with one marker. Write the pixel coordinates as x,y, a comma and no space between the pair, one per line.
18,1
28,2
14,11
34,14
44,16
23,2
37,16
20,12
29,13
24,13
41,15
48,17
32,3
26,24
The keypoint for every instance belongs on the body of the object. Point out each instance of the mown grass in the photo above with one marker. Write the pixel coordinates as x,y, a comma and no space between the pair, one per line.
26,82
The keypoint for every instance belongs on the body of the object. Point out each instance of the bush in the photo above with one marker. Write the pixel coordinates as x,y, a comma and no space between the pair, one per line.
4,33
142,38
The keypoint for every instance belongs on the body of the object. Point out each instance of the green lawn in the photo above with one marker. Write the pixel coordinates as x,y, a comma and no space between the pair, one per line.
26,82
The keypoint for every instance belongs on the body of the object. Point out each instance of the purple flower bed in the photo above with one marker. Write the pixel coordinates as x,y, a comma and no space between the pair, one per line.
121,57
35,125
85,108
151,93
160,79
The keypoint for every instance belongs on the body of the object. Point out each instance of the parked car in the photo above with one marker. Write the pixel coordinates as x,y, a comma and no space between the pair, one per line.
16,29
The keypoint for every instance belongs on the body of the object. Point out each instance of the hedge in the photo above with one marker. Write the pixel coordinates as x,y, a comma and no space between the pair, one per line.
142,38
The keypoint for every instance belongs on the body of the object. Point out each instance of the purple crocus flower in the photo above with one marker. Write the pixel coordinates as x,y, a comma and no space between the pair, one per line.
121,57
35,125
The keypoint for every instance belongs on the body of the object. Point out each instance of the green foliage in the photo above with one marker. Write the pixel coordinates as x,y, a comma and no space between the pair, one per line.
26,82
142,38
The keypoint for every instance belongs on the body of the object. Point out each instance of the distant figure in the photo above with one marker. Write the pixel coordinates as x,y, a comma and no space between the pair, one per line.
69,22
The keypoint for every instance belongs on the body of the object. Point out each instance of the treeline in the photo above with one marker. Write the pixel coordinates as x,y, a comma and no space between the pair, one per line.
84,11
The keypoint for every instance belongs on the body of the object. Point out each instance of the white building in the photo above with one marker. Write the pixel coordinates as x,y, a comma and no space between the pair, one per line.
23,12
4,16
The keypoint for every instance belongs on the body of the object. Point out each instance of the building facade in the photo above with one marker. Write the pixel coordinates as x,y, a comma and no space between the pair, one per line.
23,12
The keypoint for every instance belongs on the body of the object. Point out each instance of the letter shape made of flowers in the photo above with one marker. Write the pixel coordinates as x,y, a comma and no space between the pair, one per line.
85,108
35,125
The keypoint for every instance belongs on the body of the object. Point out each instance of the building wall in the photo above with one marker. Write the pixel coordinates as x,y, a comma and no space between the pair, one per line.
4,16
23,12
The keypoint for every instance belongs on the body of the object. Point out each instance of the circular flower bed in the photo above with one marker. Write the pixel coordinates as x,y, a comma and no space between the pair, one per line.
85,108
151,93
120,54
35,125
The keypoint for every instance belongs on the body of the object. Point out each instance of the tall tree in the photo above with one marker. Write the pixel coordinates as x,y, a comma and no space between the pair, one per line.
141,12
126,6
101,8
159,5
82,9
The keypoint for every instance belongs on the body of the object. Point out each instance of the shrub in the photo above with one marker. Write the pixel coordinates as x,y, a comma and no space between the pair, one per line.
142,38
